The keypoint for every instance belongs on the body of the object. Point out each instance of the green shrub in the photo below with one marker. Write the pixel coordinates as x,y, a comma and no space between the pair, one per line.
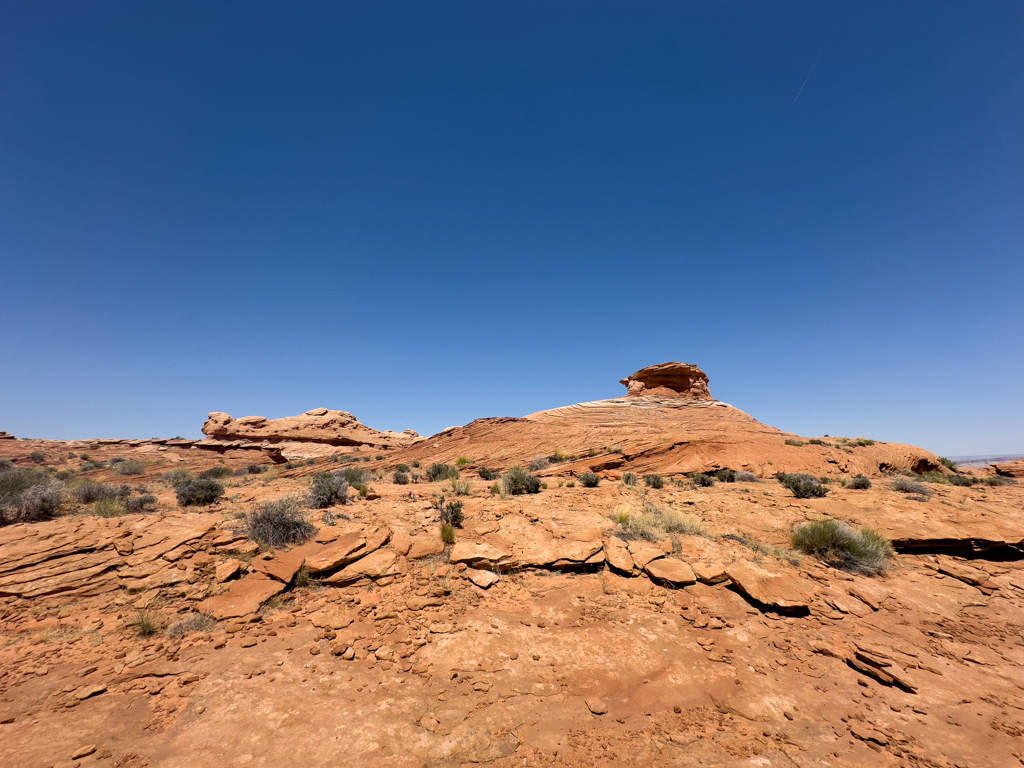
461,487
487,474
862,441
353,475
858,483
215,473
802,486
256,469
461,461
589,480
816,441
840,546
447,534
559,456
26,502
997,480
137,504
965,481
144,623
90,492
108,507
790,441
746,477
654,481
177,476
278,523
726,476
947,463
518,481
440,472
37,456
451,513
14,481
400,478
653,523
629,479
198,492
403,468
191,624
328,489
6,464
906,485
134,467
700,480
539,463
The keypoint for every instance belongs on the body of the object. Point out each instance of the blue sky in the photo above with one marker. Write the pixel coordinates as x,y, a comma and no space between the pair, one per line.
428,213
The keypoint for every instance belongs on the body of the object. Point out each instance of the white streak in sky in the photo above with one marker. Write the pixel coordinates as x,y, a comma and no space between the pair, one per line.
808,76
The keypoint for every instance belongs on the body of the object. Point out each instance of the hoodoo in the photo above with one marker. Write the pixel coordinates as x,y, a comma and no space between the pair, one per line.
668,380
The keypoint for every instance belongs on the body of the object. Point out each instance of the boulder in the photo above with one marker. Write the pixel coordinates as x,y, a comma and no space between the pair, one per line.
668,380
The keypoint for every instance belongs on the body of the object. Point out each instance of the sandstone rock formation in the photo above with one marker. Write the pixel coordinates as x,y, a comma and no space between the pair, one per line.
1013,468
668,424
550,633
319,425
668,380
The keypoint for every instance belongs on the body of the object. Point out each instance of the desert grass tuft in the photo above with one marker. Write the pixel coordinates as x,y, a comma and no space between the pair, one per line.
839,545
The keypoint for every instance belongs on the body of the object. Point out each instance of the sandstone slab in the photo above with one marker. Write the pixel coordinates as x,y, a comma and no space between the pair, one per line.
775,590
243,597
670,570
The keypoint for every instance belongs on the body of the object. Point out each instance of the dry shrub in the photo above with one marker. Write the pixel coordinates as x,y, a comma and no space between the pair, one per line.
278,523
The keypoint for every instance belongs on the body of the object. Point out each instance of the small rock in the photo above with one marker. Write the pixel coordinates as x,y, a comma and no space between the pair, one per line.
85,751
597,706
91,690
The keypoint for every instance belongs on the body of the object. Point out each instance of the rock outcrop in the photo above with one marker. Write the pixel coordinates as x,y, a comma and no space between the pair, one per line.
334,428
668,380
1013,468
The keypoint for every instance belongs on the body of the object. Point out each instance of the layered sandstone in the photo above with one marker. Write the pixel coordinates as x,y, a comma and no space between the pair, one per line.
668,424
319,425
668,380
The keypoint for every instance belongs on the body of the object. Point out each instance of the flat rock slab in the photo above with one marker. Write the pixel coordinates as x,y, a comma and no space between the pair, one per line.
776,590
642,552
243,597
227,569
333,617
673,571
425,546
284,565
483,579
540,552
616,553
373,566
337,553
477,552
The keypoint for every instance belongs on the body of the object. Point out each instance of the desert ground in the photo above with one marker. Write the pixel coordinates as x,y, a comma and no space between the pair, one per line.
360,598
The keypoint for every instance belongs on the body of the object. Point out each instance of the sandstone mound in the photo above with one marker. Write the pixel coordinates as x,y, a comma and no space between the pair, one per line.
319,425
668,423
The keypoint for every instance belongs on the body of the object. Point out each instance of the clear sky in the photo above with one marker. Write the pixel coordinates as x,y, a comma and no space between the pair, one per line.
426,213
